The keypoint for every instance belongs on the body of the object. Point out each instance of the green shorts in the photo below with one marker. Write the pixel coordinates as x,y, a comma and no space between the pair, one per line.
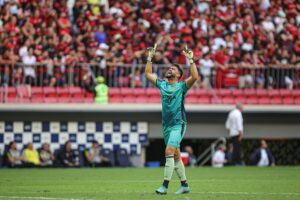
174,134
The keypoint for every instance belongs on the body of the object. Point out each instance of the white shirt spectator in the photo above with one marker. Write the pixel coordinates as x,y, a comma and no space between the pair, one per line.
203,6
218,42
218,159
28,70
29,60
237,2
265,4
205,49
298,20
279,21
247,47
234,27
23,51
205,66
234,123
203,24
167,24
264,160
117,11
268,26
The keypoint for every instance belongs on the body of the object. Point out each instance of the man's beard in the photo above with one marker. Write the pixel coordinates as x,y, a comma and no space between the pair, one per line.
169,76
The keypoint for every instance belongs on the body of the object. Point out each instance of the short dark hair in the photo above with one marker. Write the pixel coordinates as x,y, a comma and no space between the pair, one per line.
94,142
179,69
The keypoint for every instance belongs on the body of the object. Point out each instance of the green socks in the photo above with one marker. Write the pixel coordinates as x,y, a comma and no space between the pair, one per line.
180,170
170,165
169,168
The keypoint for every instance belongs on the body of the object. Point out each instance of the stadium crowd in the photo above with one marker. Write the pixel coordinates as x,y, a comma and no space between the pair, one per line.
232,37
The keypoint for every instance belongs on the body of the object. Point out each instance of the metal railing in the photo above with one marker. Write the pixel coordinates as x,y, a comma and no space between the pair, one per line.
131,75
210,151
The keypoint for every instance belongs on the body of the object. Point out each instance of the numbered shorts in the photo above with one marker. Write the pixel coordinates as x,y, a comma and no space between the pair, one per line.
174,134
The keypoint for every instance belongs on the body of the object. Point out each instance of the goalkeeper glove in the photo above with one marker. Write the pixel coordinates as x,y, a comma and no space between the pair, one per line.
189,54
151,52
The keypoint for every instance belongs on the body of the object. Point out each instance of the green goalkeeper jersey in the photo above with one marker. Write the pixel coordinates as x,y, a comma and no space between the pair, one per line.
172,98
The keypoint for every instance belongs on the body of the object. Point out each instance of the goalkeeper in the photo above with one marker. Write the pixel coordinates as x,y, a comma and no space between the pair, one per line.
173,95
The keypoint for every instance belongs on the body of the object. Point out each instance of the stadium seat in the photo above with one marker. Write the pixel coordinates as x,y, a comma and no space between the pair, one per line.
89,95
37,99
264,100
88,100
238,93
251,100
140,92
285,93
288,100
11,92
296,93
262,93
23,92
141,99
129,99
50,92
25,100
127,93
192,100
63,92
77,99
153,92
83,162
154,99
76,92
273,93
276,100
50,100
228,100
64,100
11,100
201,92
297,101
204,100
240,99
115,99
37,92
110,155
215,100
123,158
224,93
250,93
114,92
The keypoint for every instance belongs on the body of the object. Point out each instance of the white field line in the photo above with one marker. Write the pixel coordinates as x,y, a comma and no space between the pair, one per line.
251,193
192,192
39,198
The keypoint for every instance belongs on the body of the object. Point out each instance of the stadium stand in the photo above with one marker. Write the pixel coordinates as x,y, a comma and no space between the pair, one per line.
246,51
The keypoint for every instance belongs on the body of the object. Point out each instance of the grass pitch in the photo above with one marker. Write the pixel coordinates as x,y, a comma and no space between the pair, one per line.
231,183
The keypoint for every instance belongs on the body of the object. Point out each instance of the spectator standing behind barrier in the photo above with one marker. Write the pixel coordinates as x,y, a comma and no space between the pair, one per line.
262,156
67,156
192,158
29,71
46,156
14,158
95,158
31,156
234,124
101,91
218,159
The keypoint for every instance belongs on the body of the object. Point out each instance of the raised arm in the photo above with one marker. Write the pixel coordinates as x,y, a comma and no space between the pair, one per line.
194,72
148,71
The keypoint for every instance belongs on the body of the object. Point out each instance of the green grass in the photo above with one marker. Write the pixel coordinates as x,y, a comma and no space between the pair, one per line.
206,183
